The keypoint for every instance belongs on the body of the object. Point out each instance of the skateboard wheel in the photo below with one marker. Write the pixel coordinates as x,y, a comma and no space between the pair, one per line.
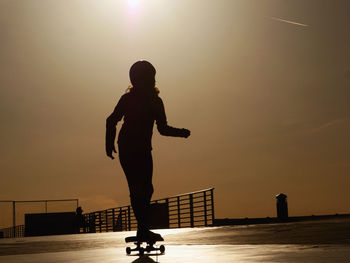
128,250
162,249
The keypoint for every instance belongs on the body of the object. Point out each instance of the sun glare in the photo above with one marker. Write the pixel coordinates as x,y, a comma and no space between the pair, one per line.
134,5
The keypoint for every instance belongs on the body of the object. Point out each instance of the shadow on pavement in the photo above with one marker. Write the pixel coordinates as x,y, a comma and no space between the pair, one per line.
144,259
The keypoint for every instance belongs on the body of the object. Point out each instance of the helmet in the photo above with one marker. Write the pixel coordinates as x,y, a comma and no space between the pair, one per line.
142,72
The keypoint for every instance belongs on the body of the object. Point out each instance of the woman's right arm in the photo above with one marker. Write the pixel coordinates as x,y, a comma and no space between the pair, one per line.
111,129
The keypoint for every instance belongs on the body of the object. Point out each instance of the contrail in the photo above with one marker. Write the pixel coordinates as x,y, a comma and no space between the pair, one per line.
287,21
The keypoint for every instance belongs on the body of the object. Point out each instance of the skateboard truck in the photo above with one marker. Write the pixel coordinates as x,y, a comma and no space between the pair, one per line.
149,245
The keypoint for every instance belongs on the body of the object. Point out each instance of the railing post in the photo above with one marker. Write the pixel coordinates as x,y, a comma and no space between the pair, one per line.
88,226
113,219
191,210
205,208
120,217
100,220
212,205
89,223
129,218
84,225
106,211
178,212
167,204
14,216
125,220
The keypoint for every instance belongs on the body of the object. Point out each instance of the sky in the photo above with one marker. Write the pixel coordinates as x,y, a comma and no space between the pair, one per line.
264,87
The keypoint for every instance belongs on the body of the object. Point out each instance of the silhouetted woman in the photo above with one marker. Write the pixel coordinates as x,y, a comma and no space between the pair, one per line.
140,107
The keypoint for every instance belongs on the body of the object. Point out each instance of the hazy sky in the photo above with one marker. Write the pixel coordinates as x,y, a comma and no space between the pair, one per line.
264,86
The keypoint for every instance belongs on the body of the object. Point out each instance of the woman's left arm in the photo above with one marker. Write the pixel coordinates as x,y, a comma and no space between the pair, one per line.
164,128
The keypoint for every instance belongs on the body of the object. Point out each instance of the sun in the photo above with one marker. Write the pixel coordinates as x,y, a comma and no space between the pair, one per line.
133,5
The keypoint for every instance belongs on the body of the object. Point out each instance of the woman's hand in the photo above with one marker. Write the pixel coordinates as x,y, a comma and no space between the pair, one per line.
186,133
110,150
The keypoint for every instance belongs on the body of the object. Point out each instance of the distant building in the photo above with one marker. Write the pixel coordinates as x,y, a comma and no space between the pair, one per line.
282,206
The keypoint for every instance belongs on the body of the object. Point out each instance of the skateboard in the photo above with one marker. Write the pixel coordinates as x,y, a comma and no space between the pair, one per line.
149,245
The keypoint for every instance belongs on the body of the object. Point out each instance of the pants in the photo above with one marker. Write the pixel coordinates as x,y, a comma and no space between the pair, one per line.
138,169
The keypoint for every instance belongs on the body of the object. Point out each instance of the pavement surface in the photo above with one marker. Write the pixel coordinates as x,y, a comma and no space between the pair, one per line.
326,241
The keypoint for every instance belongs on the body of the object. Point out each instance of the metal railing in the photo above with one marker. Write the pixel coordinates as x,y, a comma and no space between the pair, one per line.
17,231
186,210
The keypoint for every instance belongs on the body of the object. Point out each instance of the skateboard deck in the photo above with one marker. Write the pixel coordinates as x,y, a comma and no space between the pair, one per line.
149,245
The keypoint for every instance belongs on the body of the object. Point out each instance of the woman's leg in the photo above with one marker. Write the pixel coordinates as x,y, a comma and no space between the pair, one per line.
138,168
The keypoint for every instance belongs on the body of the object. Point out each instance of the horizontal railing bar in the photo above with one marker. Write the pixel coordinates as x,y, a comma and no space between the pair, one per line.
198,212
176,196
185,213
184,201
201,191
186,217
187,203
198,206
197,221
198,197
174,214
172,210
185,222
185,208
199,203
